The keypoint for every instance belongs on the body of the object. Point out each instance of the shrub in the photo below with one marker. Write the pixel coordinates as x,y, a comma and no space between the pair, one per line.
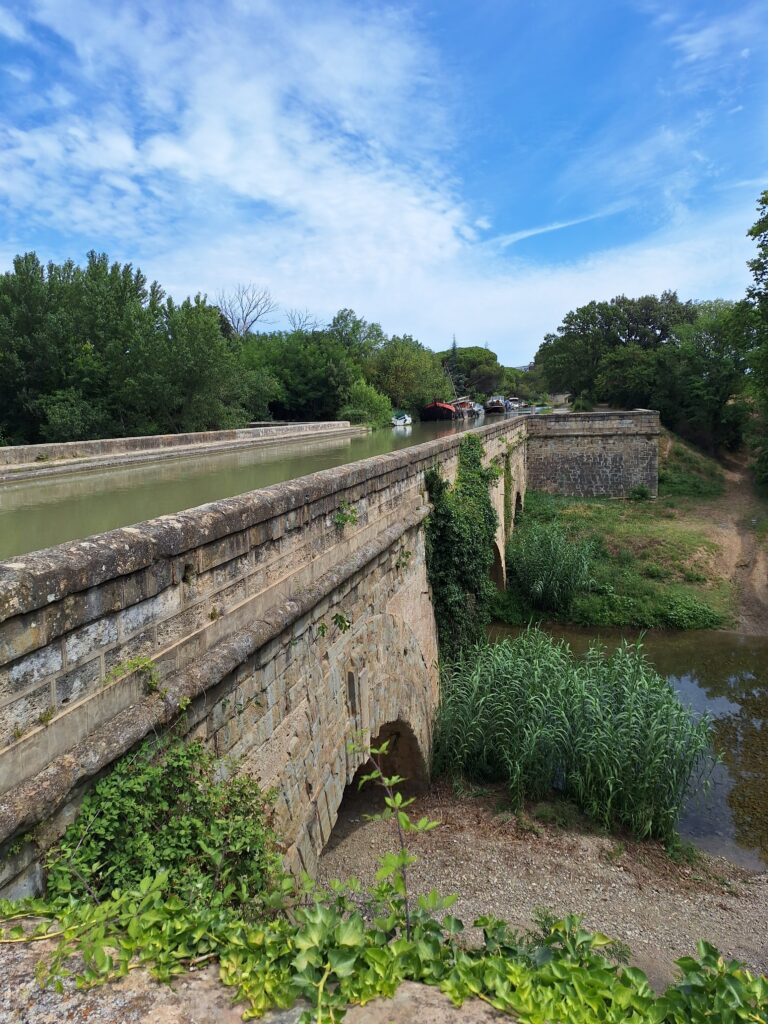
548,568
639,493
163,811
366,405
607,732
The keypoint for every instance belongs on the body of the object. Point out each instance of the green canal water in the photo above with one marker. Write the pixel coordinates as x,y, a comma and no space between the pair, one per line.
725,674
37,514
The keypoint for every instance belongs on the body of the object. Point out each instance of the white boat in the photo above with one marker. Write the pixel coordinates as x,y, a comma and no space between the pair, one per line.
401,419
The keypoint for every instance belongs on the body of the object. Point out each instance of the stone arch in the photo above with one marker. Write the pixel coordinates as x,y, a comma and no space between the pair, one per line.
376,684
498,572
404,757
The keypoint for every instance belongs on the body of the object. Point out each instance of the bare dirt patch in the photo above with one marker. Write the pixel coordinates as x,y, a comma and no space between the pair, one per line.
631,891
730,521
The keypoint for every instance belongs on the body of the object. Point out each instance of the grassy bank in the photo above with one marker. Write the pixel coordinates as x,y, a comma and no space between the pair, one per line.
646,566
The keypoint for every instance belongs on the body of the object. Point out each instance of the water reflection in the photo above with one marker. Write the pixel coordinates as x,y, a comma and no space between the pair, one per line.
725,674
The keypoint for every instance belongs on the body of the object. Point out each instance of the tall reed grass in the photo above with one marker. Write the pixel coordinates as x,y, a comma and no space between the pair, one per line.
606,731
546,566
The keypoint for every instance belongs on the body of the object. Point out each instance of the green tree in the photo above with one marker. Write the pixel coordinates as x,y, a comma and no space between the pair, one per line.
408,373
570,358
758,298
96,351
366,405
476,369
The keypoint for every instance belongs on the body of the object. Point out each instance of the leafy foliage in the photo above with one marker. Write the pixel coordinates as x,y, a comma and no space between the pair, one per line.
460,537
95,351
366,405
343,946
607,732
162,810
408,373
688,360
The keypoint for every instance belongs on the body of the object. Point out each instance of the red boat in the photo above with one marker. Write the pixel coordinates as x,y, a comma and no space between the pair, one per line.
438,411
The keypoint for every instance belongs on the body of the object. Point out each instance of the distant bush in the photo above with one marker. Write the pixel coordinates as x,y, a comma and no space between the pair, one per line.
582,404
547,567
366,405
639,493
607,732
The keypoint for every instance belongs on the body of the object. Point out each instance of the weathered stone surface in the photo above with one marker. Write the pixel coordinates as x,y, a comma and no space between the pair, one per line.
242,606
594,454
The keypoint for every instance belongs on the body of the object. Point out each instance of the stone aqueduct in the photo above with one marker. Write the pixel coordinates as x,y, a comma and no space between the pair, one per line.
277,630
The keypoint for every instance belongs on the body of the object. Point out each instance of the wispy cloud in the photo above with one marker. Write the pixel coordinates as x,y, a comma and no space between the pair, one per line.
313,148
504,241
11,27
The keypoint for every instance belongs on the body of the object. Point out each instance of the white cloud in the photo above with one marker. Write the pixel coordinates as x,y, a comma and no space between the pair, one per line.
11,27
308,153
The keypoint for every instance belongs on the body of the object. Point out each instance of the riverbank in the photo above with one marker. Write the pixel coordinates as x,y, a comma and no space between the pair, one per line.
508,866
696,558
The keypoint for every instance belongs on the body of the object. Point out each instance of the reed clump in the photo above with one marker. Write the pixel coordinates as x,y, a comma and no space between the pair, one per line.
606,731
547,567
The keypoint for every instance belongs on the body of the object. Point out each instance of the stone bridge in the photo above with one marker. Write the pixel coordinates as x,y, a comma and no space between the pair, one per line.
274,626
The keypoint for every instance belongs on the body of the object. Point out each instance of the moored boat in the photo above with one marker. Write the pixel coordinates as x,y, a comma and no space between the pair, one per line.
495,404
401,419
439,411
466,407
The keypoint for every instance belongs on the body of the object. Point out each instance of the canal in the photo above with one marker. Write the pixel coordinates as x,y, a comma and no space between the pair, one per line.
37,514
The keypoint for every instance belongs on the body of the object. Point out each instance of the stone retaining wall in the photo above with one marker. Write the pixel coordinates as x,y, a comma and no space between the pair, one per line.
594,454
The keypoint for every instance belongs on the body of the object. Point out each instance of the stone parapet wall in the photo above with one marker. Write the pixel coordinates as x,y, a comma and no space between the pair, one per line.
200,594
598,454
32,454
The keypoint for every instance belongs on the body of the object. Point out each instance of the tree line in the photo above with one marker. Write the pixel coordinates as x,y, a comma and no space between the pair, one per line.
703,365
97,351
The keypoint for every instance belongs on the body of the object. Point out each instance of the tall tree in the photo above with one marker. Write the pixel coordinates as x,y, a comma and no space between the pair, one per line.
758,297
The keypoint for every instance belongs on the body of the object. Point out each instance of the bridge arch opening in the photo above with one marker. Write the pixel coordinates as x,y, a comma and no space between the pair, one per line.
404,758
497,569
518,504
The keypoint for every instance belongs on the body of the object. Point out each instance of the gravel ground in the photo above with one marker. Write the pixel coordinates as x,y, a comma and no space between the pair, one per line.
631,891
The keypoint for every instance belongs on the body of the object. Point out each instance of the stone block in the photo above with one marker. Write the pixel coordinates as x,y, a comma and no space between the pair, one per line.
24,714
81,643
224,550
22,674
136,618
77,683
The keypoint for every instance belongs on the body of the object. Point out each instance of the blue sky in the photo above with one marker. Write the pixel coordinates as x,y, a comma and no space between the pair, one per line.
443,168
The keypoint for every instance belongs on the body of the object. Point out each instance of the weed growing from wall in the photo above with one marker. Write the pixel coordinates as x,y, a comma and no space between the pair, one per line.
460,535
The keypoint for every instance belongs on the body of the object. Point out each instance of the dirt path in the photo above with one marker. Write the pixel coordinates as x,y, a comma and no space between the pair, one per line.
631,891
730,521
